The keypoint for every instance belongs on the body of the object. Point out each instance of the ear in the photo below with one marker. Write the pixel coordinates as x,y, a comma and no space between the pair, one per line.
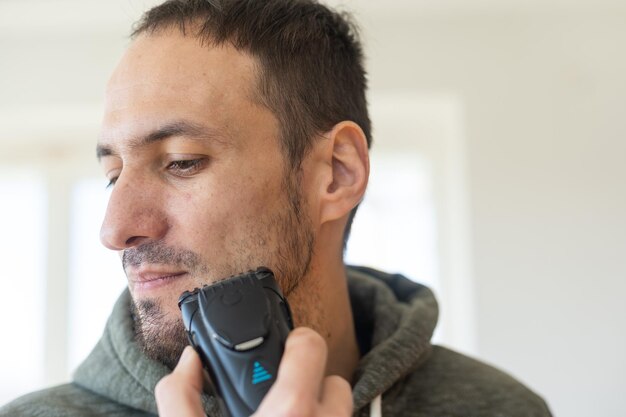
349,160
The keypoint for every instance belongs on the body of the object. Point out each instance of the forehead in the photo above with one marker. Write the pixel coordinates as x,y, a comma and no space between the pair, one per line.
167,76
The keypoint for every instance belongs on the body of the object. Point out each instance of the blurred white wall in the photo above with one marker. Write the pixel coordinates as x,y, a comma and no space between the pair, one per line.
542,92
545,100
544,95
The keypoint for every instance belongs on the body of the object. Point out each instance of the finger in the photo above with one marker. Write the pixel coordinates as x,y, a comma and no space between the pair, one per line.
303,365
336,396
179,393
300,373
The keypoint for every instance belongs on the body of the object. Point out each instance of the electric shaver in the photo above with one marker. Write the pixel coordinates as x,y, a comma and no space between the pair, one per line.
239,327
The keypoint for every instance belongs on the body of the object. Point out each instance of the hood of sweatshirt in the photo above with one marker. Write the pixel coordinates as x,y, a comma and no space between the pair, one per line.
394,320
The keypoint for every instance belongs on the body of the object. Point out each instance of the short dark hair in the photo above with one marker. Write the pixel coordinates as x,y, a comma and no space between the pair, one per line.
311,73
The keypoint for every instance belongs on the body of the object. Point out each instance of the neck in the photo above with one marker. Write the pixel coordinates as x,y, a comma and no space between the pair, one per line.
343,350
322,303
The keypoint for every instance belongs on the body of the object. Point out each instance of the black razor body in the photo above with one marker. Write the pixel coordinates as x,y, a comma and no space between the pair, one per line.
239,327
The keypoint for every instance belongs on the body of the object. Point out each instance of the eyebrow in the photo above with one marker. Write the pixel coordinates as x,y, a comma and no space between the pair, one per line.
172,129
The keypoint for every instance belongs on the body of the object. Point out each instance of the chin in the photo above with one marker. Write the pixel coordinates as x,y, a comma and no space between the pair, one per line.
159,330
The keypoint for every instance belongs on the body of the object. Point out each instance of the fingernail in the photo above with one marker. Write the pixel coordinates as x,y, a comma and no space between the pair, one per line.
187,355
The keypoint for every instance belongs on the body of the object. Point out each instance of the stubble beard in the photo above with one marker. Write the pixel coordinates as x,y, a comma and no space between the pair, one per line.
163,338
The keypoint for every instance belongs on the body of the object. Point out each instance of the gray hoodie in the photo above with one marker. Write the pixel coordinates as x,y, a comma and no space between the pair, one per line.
394,320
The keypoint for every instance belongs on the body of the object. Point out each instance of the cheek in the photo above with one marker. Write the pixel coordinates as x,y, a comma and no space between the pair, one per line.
198,214
214,216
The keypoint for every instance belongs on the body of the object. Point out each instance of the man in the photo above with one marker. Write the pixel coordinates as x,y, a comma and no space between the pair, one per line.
236,135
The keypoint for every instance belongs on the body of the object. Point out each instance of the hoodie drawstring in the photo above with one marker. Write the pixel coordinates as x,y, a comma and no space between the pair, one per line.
376,406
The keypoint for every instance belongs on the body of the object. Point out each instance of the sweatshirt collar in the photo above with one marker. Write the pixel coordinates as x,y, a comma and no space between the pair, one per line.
400,316
394,320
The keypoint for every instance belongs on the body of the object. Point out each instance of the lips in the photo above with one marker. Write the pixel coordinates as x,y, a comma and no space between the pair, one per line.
150,278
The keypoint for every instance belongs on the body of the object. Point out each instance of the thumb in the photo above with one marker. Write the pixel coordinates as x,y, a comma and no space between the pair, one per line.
179,393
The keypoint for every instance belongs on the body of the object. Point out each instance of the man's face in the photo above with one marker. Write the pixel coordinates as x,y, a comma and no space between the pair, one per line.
200,187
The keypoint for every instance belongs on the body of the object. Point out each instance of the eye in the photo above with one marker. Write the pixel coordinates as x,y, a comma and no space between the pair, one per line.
111,183
187,167
112,176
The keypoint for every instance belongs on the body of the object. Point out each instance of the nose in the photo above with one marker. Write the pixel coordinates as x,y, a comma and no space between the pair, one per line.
134,215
